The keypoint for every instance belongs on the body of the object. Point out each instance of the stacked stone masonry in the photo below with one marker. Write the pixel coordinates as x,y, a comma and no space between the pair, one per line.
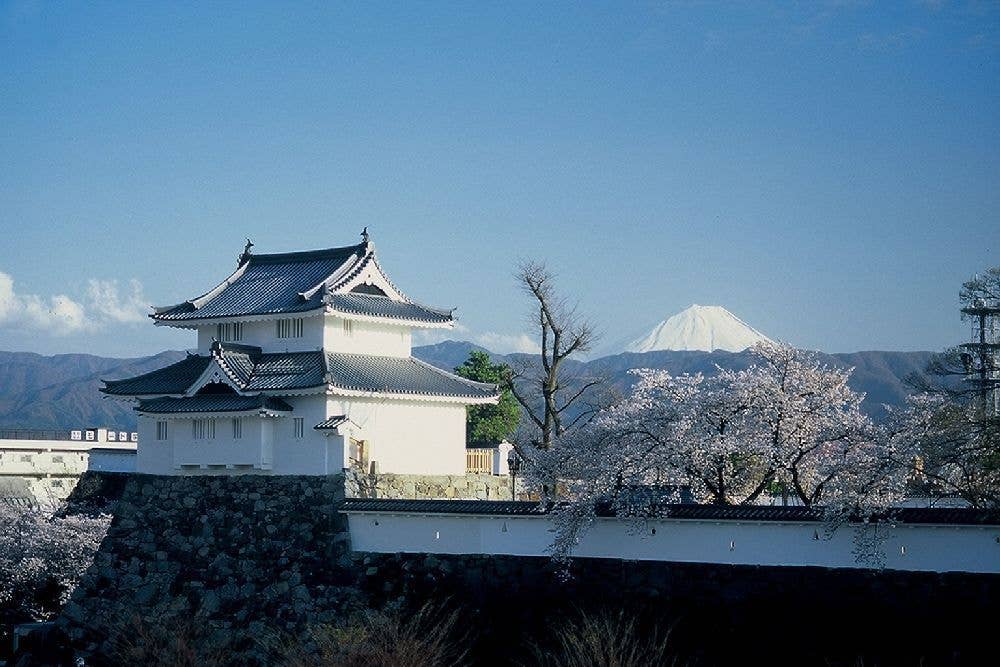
413,487
242,560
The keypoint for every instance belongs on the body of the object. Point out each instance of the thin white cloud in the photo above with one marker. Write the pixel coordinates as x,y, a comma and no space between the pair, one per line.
108,304
891,41
60,315
435,336
507,343
491,340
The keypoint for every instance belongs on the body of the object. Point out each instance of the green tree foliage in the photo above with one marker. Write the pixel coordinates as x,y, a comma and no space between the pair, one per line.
490,423
956,423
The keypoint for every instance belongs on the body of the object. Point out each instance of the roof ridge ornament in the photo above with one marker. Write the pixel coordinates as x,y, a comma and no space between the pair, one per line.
245,255
366,241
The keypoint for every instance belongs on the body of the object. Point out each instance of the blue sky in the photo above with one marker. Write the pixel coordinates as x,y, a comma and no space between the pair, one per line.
827,171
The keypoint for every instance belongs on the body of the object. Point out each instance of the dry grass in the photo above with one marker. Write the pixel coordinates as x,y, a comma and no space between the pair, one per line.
429,637
173,642
609,639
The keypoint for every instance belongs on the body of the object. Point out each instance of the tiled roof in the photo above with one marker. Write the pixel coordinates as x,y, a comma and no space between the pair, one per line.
909,515
212,403
254,372
286,370
239,360
270,284
172,379
392,375
331,423
491,507
382,306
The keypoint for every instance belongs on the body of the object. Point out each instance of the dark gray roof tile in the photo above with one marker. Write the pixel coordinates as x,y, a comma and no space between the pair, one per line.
381,306
332,422
392,375
443,506
271,284
172,379
287,370
212,403
305,370
907,515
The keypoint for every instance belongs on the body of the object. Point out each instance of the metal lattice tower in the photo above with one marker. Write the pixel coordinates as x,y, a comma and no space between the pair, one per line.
981,357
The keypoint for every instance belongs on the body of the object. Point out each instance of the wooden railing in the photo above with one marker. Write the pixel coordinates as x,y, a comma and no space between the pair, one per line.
479,460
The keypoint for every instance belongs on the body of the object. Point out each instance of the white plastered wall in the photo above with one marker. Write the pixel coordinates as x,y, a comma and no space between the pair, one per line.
223,450
264,334
182,454
384,340
906,547
309,454
408,437
155,457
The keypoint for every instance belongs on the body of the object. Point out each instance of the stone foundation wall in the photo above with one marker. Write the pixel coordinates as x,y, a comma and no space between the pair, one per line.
233,556
412,487
231,563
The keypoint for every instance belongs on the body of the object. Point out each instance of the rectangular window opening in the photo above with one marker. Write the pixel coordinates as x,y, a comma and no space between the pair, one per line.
161,430
229,332
299,426
290,328
203,429
237,428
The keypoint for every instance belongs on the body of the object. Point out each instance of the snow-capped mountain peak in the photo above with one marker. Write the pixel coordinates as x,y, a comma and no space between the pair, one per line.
704,328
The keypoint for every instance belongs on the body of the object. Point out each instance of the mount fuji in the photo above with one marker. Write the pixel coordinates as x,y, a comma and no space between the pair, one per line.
700,328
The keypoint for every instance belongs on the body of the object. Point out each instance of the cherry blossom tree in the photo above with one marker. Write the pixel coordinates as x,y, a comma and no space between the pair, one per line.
787,422
955,447
808,420
42,556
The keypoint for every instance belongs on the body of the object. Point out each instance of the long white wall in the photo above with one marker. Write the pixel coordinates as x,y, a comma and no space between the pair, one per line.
906,547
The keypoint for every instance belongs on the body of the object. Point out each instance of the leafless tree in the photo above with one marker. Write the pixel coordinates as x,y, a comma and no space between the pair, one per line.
553,402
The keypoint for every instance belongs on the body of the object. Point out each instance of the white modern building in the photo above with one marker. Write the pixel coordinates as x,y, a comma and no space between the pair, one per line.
51,461
303,366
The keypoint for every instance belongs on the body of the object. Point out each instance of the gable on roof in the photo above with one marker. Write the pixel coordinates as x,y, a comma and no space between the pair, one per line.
268,284
345,280
250,372
238,366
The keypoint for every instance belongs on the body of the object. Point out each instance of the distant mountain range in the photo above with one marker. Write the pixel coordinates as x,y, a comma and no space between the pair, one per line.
61,392
880,375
